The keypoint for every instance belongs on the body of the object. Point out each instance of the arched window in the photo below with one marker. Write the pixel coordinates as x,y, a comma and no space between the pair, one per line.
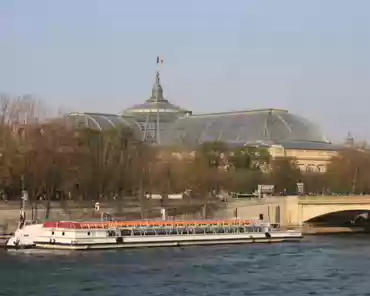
321,168
310,168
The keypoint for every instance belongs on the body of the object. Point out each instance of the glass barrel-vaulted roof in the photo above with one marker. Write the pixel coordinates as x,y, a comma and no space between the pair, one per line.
245,127
101,121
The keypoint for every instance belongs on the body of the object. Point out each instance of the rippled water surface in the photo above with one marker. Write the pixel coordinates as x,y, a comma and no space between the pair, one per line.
330,265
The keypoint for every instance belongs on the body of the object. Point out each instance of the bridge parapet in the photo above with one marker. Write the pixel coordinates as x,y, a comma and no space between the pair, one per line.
337,200
257,201
296,210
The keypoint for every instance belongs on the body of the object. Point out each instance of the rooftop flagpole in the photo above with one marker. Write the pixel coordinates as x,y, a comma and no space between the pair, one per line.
157,134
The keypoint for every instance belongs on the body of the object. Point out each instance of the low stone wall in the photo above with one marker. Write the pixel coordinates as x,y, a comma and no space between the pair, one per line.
271,208
9,212
9,217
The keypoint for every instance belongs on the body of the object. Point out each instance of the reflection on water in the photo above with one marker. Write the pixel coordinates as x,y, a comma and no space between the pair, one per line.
330,265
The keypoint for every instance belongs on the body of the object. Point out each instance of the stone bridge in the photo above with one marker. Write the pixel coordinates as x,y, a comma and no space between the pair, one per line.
294,210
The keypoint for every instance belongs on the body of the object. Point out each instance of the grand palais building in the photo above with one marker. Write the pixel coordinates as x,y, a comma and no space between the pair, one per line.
160,122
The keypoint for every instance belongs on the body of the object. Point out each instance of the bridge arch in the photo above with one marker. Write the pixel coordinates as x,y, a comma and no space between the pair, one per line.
312,212
341,218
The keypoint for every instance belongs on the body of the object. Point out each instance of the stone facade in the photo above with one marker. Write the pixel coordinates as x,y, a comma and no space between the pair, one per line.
308,160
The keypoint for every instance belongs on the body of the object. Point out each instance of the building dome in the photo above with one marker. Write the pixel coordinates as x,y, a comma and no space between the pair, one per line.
267,126
156,104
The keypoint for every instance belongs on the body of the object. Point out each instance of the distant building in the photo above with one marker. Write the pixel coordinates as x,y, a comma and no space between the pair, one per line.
156,114
160,122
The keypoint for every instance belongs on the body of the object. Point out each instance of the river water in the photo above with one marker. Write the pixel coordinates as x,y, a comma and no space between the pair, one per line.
320,265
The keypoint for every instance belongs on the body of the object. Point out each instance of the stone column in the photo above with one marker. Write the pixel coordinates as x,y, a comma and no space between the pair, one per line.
290,212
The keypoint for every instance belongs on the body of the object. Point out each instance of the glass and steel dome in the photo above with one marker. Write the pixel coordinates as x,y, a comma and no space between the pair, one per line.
101,122
155,114
156,104
266,126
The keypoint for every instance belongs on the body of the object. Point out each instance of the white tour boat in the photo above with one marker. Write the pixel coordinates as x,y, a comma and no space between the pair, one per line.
142,233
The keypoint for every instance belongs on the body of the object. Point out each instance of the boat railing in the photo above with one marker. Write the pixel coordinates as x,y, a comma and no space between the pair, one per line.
170,224
187,230
156,224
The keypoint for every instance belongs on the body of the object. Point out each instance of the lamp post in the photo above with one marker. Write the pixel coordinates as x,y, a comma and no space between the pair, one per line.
354,180
24,199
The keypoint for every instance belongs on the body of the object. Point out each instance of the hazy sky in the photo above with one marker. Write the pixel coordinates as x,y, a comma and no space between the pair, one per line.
311,57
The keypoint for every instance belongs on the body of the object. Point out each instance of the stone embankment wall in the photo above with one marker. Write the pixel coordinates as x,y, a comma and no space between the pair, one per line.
272,209
10,211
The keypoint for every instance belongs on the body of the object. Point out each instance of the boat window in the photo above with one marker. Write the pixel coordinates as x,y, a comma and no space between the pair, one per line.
150,232
52,233
125,232
199,231
220,230
63,233
88,233
181,230
161,231
137,232
208,230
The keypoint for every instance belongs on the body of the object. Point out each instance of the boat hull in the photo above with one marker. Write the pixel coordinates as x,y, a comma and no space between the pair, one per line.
22,247
4,239
175,241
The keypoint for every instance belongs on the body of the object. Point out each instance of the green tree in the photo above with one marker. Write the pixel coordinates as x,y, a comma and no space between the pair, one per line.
285,174
213,153
250,158
246,180
349,172
314,182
